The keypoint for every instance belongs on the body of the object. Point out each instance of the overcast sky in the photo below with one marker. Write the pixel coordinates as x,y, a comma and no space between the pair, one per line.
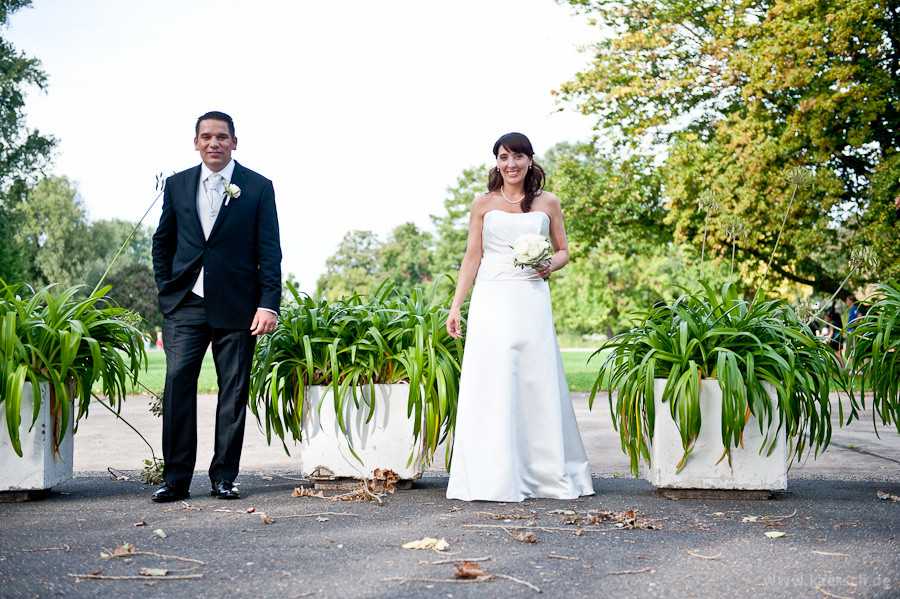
362,113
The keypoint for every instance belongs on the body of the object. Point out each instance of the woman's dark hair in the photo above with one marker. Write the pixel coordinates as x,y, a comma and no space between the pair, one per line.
534,177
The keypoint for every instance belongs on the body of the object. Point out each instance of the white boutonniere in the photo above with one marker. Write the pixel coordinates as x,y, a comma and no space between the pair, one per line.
232,192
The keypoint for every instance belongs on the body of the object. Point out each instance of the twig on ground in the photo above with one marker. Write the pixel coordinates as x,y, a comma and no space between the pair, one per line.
543,528
794,513
184,506
827,553
303,480
516,580
402,580
65,548
184,559
821,590
716,556
141,577
641,571
320,514
571,559
453,561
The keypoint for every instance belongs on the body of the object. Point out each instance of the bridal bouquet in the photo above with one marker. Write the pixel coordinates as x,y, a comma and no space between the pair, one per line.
531,250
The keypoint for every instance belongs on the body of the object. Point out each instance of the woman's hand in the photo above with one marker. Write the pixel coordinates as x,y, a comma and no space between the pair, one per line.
454,323
544,268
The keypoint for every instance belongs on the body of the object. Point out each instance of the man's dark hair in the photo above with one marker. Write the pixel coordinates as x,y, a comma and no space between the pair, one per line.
215,115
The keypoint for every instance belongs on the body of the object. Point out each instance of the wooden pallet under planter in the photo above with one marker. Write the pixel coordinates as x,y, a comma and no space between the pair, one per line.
386,441
749,470
40,467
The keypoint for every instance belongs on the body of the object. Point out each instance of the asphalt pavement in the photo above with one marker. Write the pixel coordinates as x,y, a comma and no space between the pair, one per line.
840,538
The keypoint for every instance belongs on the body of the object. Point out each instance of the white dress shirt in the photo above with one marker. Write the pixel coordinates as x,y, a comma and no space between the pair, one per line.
209,213
208,210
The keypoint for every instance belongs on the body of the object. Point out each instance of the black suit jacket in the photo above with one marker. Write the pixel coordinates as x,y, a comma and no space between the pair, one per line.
241,260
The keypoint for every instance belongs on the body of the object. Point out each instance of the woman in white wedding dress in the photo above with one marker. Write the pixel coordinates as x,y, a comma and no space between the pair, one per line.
516,434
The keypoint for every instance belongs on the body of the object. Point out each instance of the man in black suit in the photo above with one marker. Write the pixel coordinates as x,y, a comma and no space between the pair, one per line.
217,259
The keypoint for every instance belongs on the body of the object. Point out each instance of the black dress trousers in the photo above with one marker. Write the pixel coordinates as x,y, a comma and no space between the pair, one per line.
186,335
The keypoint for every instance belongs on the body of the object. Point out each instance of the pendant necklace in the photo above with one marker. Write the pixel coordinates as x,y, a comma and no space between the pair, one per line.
509,200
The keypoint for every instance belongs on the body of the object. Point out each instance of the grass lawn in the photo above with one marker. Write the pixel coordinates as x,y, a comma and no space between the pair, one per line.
578,373
154,378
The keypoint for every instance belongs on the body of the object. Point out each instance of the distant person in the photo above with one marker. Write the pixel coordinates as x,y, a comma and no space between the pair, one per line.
516,433
852,315
217,259
852,312
833,332
159,340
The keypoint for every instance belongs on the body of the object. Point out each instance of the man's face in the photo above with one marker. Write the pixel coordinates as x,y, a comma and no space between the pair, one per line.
215,143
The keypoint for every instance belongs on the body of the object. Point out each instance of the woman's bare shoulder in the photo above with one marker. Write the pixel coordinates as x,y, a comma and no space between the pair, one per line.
547,201
482,203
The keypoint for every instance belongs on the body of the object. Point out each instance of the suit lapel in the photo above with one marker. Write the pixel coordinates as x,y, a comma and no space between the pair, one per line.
237,178
191,185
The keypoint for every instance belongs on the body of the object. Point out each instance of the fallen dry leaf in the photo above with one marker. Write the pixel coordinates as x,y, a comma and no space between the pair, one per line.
564,512
141,523
159,533
774,534
321,519
427,543
120,551
526,537
384,480
887,496
472,570
153,572
265,519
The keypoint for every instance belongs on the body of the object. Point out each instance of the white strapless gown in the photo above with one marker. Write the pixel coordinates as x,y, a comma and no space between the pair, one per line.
516,434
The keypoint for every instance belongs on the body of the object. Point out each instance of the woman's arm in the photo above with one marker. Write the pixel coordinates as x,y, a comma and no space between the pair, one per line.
469,267
560,255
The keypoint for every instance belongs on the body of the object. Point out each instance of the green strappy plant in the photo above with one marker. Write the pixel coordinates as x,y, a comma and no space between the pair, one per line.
71,342
874,355
359,341
709,335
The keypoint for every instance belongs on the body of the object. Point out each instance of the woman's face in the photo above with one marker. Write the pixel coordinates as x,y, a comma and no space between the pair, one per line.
513,166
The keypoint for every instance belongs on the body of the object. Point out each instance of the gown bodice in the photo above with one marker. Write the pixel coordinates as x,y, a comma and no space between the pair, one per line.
498,234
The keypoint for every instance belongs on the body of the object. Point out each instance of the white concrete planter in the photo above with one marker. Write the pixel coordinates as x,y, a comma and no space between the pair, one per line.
386,441
39,467
749,470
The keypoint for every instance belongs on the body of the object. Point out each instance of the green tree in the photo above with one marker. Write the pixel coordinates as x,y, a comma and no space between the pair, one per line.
405,258
24,153
604,198
601,290
452,227
353,268
134,288
53,232
735,93
104,238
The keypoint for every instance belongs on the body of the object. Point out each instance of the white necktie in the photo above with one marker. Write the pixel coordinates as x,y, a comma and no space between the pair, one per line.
213,189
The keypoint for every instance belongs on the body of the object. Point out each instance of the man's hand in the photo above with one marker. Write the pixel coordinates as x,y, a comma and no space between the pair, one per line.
263,322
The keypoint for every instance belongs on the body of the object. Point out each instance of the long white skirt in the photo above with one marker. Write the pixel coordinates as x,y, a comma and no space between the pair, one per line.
516,433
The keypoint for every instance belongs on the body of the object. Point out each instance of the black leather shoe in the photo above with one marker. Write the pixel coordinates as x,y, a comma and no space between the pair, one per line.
225,489
170,492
